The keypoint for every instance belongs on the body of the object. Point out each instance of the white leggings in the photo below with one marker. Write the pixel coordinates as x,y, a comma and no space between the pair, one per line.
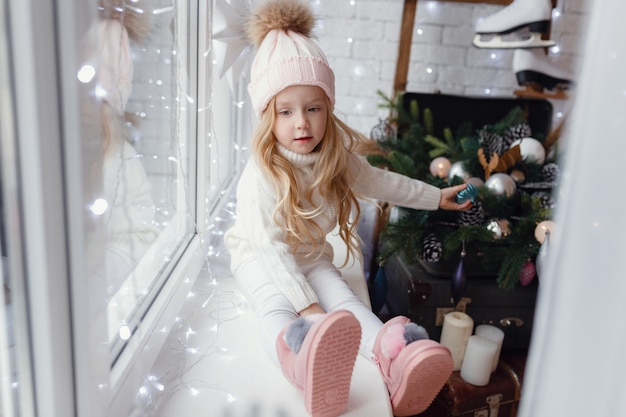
274,311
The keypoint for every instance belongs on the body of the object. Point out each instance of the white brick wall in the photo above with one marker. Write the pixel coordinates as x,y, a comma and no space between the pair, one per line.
360,38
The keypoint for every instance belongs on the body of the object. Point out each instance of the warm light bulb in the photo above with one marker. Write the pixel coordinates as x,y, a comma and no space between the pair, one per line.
546,227
440,166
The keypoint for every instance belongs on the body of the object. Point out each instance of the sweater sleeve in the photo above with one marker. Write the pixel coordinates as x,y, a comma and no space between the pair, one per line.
394,188
256,235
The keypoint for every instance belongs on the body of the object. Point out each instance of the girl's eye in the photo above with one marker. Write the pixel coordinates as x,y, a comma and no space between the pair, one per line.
314,109
284,112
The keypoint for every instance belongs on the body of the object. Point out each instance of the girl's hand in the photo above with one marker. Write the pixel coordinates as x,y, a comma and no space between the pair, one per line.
448,199
312,309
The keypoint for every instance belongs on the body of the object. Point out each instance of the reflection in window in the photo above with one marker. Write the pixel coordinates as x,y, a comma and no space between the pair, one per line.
148,111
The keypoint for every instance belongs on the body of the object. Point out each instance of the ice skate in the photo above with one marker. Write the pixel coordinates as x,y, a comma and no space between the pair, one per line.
524,20
533,69
539,76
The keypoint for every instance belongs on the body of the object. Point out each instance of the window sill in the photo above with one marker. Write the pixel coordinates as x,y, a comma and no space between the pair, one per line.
213,361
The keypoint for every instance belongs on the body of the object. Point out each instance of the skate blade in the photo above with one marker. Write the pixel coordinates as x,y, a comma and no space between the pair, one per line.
496,42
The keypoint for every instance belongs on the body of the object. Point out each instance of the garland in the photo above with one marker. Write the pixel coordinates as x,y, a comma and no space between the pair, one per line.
510,217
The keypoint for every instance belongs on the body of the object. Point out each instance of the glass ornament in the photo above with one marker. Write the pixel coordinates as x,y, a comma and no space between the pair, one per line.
501,184
527,273
440,167
518,175
531,149
469,193
499,227
543,229
457,169
458,284
476,181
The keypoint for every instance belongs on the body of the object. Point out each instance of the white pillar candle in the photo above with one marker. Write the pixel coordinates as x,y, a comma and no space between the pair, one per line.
457,329
495,335
476,368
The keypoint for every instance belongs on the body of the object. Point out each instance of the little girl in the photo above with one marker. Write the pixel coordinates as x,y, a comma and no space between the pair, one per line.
305,179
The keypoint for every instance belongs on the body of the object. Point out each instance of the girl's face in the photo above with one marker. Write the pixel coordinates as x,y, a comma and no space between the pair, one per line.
301,113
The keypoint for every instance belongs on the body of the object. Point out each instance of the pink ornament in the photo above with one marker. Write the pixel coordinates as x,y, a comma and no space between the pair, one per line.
527,274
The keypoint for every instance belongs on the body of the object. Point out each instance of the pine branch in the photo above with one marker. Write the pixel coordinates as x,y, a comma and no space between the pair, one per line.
411,152
440,147
509,273
429,123
402,163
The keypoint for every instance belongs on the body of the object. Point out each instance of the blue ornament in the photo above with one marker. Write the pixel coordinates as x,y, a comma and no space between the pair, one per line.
378,290
469,193
458,284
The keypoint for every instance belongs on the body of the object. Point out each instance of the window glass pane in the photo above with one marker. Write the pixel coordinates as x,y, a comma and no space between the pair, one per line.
147,84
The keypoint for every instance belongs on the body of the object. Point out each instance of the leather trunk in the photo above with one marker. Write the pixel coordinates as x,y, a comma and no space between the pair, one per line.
425,298
499,398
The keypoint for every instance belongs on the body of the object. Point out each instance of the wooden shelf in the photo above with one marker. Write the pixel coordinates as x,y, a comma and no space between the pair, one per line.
530,92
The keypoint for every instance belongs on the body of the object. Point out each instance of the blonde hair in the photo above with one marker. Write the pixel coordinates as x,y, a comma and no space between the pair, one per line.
332,181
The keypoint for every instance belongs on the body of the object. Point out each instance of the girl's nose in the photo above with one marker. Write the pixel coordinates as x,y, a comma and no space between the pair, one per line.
303,121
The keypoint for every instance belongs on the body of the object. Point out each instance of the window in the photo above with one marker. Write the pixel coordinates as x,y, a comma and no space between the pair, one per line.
119,143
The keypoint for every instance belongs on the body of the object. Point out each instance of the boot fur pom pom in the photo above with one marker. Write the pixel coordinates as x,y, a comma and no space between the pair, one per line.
297,331
398,336
295,334
393,341
413,332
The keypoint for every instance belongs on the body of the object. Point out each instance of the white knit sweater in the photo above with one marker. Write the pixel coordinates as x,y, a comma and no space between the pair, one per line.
255,234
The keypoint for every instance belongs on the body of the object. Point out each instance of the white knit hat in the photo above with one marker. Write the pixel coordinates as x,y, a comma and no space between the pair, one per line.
115,74
286,54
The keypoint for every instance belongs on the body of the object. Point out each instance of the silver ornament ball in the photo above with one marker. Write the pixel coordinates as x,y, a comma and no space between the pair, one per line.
501,184
458,170
499,227
531,149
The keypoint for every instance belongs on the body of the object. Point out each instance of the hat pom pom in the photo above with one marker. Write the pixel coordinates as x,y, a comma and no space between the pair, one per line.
294,15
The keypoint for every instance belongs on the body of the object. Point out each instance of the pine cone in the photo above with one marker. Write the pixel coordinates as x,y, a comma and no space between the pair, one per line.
519,131
550,172
546,200
474,216
491,143
432,249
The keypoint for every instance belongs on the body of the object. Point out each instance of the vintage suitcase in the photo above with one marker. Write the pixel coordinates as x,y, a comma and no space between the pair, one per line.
499,398
426,298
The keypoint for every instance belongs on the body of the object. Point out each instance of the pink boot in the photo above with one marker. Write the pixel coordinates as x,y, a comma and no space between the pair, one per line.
414,372
322,367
